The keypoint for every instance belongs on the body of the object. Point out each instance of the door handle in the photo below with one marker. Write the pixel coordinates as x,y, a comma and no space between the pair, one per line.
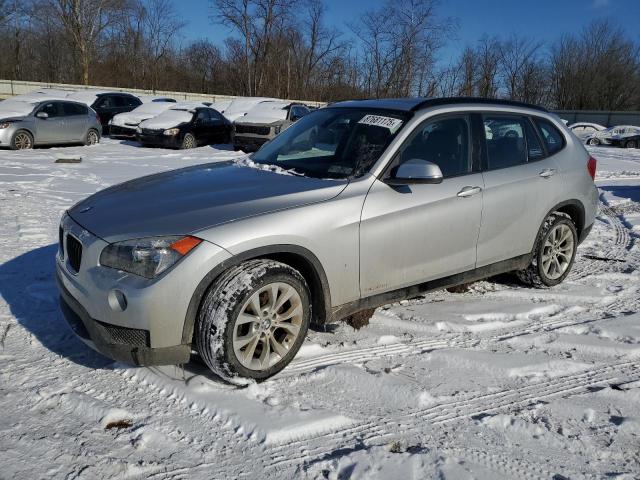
548,172
468,191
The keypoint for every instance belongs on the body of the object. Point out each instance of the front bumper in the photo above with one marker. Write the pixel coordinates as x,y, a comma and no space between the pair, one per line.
6,135
160,140
249,144
112,342
122,132
148,328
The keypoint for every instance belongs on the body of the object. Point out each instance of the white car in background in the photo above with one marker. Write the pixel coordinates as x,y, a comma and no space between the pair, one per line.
584,130
263,122
604,137
123,125
241,105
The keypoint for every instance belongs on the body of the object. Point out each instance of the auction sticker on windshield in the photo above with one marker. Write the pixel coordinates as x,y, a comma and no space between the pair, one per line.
393,124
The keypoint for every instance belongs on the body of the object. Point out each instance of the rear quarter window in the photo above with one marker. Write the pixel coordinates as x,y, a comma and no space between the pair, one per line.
554,140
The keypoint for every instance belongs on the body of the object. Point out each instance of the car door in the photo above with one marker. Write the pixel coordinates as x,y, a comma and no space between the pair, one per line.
202,127
50,129
419,232
76,119
521,184
218,127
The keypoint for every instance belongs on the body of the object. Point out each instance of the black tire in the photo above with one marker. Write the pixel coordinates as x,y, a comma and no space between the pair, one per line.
593,142
22,140
222,305
632,144
534,275
188,141
92,137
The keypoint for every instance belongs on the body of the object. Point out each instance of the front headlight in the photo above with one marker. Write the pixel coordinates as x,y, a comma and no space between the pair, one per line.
277,129
5,125
171,132
139,130
147,257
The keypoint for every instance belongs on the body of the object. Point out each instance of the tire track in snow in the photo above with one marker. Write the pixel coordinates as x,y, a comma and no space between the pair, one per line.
380,431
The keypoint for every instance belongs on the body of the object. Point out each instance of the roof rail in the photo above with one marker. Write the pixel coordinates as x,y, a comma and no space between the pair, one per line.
433,102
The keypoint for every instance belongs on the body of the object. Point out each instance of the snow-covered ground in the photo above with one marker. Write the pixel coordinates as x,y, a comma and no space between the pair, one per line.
498,382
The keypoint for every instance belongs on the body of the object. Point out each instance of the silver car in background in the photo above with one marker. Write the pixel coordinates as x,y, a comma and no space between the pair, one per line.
354,206
33,121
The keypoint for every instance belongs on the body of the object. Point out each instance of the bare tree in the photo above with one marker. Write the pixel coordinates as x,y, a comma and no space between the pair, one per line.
85,21
161,25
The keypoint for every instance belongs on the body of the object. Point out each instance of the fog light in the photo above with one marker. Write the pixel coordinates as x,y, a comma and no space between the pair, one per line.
117,301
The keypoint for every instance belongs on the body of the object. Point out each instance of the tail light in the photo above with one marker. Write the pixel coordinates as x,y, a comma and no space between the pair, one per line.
591,167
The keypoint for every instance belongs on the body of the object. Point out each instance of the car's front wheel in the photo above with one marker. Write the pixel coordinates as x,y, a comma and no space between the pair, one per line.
554,253
22,140
189,141
253,320
593,141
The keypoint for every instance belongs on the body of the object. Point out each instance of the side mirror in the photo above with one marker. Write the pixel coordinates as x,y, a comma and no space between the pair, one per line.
43,115
415,171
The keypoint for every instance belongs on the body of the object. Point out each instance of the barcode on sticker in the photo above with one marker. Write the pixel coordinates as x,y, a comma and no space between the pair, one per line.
379,121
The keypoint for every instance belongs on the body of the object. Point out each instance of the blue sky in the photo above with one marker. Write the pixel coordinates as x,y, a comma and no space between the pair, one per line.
543,20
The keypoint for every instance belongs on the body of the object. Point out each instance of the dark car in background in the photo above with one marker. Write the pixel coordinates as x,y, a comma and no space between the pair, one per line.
632,141
185,127
107,104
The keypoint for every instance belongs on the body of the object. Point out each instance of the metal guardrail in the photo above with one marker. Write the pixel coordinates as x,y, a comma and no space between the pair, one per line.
10,88
605,118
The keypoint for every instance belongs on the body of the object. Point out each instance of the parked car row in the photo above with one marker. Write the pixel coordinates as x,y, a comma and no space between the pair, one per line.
626,136
55,117
49,116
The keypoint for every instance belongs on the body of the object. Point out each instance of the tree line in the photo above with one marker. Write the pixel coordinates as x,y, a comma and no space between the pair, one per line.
288,49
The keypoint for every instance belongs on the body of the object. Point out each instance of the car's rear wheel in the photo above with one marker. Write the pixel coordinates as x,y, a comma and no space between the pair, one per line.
92,137
632,144
253,320
554,254
22,140
593,141
189,141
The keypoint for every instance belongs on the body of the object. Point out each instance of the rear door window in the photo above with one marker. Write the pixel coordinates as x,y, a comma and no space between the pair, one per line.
506,141
73,109
552,137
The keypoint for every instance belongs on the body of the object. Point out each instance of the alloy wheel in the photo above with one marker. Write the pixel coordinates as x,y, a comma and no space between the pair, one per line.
189,142
268,325
92,138
22,141
557,251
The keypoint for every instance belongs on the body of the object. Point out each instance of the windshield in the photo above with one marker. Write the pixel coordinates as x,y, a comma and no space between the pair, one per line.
333,142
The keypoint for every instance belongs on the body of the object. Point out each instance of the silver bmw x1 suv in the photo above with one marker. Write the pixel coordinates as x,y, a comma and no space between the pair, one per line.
357,205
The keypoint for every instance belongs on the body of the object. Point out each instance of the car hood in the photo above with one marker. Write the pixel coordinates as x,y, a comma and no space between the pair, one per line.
189,200
11,117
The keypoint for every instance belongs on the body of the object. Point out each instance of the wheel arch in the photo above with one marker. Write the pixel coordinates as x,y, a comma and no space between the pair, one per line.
295,256
574,209
30,131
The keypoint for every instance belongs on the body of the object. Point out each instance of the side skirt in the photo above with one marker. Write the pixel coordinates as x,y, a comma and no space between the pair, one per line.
378,300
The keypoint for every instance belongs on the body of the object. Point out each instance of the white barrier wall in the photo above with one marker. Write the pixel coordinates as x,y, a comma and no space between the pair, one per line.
9,88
